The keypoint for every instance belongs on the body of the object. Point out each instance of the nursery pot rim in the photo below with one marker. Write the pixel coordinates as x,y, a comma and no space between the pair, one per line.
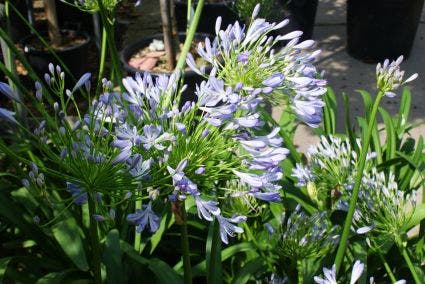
131,49
31,49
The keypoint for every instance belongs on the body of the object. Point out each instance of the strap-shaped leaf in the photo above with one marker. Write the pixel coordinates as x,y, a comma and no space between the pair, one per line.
69,236
163,272
248,270
112,257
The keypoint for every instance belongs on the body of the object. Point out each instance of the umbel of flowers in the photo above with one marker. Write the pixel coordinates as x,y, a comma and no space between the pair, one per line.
141,146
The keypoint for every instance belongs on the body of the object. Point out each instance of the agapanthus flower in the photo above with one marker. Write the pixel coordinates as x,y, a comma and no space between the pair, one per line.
382,209
302,174
228,227
79,195
181,182
8,115
206,208
330,274
301,236
83,81
138,167
284,75
8,92
144,218
331,169
144,144
389,77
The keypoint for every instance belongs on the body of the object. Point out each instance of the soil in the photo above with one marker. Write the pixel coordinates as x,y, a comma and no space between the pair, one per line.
156,61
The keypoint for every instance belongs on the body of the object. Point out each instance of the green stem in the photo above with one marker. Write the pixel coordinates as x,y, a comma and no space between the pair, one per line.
94,237
387,267
214,261
185,247
362,162
137,236
111,43
409,263
102,61
300,271
189,36
188,14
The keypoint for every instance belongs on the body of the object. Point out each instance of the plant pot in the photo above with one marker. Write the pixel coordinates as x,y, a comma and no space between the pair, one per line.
381,29
72,18
190,78
209,15
303,14
74,57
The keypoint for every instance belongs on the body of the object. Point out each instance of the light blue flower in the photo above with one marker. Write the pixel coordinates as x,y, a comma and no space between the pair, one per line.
8,115
228,227
80,196
206,208
182,183
153,137
269,196
143,218
8,92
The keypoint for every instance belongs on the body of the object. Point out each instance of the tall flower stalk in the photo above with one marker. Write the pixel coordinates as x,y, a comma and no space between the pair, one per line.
389,78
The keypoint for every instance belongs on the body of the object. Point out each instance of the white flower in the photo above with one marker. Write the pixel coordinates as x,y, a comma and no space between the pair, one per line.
389,76
330,274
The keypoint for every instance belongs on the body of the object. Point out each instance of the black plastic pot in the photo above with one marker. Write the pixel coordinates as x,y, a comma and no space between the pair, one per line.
74,57
303,14
209,15
72,18
190,78
380,29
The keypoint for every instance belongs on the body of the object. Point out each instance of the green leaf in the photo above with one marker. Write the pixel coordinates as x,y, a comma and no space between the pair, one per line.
349,130
112,257
25,223
166,222
367,101
163,272
248,270
24,197
69,236
277,209
363,126
417,217
403,113
287,123
391,136
226,253
4,262
329,112
213,254
59,277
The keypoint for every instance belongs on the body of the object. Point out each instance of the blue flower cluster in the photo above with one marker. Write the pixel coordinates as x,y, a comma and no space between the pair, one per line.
147,146
246,58
181,152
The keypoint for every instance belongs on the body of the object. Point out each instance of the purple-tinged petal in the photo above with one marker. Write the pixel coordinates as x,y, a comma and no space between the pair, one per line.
8,92
8,115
